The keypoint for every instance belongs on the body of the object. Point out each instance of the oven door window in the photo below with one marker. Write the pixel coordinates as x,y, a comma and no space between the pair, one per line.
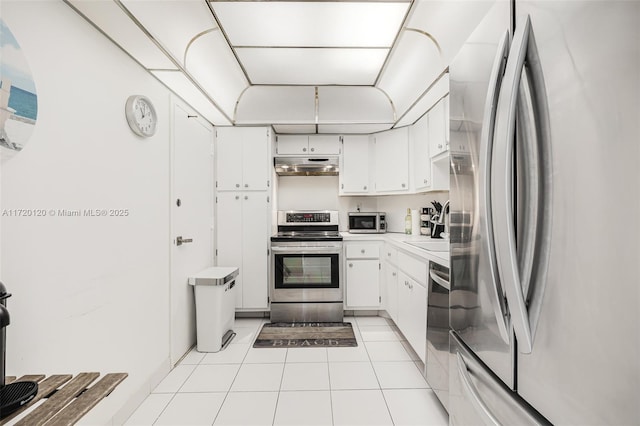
306,271
362,222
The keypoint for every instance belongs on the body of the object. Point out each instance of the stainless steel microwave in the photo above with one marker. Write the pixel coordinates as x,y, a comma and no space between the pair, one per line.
367,222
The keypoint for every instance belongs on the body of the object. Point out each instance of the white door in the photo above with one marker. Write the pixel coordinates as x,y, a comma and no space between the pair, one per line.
255,245
392,153
229,159
363,285
191,218
229,235
354,174
256,167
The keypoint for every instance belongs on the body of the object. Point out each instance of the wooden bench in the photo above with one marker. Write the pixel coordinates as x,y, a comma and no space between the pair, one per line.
68,398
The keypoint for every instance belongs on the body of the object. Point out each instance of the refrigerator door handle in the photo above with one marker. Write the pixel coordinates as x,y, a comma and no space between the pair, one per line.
486,148
535,234
481,408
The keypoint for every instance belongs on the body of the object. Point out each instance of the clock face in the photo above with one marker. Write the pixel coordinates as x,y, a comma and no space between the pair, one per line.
141,115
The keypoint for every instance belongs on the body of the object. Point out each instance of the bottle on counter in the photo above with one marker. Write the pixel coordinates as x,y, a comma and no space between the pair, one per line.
407,222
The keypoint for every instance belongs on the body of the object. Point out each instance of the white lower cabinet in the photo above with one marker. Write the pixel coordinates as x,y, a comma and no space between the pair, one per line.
243,241
391,299
362,275
412,313
363,283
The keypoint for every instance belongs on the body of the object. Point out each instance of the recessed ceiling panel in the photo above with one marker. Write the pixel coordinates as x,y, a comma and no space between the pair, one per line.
425,102
436,18
212,64
276,105
174,23
114,22
353,128
353,105
314,66
310,23
181,86
414,65
294,129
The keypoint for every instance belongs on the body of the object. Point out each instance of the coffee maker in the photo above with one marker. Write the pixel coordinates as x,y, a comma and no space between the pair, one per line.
16,394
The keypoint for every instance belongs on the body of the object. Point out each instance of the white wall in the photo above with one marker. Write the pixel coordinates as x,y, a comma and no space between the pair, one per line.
321,192
89,293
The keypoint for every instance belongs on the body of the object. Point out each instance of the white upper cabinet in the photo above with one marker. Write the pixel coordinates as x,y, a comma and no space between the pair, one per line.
419,137
243,158
308,145
437,118
392,160
354,169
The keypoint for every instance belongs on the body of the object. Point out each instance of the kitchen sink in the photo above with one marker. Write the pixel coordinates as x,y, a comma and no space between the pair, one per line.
440,245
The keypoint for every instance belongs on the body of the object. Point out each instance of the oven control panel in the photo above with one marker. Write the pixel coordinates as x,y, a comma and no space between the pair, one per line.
309,217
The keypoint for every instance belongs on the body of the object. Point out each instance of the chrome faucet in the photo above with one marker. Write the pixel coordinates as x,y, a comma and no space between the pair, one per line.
440,220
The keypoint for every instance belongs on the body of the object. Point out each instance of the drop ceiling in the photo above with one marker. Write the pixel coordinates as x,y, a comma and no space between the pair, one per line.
301,66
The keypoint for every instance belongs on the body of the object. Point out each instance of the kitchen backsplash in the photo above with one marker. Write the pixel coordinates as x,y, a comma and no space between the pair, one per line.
321,192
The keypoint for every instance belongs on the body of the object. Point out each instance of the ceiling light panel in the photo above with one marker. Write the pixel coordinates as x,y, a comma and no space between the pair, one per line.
315,66
276,105
116,24
362,24
182,86
174,23
212,64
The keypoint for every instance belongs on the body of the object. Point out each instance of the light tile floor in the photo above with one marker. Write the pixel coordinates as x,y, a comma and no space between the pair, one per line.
377,383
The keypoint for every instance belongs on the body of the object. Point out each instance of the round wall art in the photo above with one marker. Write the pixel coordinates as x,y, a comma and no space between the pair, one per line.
18,99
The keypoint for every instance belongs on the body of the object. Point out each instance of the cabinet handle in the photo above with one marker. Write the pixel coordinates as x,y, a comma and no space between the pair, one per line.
304,149
425,181
237,185
410,286
313,149
246,197
403,185
237,197
246,185
393,274
351,265
365,187
439,146
362,251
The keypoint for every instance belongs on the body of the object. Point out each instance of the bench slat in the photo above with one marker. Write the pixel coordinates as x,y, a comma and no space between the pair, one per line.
85,402
45,387
58,400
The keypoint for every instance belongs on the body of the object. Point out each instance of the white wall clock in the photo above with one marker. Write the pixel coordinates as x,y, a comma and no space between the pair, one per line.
141,115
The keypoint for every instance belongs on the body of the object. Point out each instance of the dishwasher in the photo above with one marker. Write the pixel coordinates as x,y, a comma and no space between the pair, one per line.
437,360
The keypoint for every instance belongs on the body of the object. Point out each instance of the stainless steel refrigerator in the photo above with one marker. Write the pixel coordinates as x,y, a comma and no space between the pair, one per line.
545,212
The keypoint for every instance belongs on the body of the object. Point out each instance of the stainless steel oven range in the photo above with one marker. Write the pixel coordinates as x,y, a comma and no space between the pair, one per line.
306,268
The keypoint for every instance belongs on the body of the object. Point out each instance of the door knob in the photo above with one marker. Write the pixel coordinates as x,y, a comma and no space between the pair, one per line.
180,241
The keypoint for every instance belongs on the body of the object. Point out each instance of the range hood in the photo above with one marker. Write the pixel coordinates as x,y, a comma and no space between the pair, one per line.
306,166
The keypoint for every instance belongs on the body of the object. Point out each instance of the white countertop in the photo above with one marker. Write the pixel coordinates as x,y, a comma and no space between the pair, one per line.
401,241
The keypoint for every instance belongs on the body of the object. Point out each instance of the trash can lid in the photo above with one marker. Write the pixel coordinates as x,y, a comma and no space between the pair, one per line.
217,275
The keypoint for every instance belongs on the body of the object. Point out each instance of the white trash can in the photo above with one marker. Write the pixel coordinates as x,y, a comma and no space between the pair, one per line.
215,307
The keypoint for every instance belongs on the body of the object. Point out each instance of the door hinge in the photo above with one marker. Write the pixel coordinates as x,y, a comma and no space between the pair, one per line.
216,252
342,186
341,139
268,300
216,200
379,299
379,266
268,183
267,198
216,184
268,253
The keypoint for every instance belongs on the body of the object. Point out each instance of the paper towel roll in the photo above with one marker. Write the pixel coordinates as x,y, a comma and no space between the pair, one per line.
415,222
